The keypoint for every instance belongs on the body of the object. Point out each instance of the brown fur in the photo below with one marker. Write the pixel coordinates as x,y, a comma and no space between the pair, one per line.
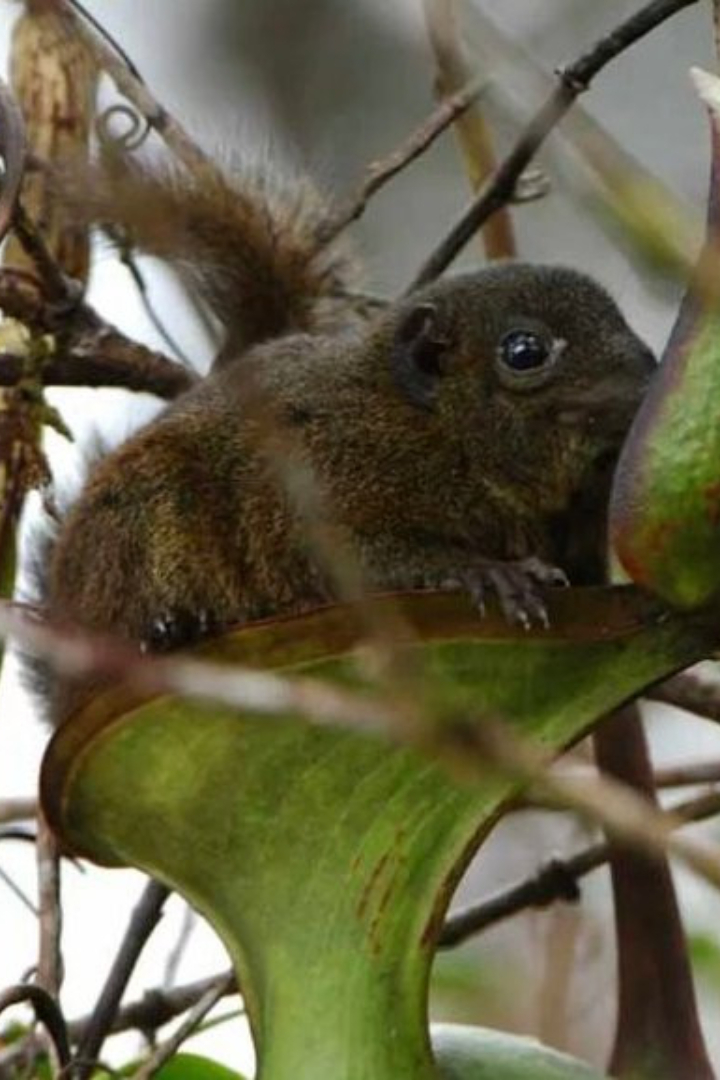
248,245
189,515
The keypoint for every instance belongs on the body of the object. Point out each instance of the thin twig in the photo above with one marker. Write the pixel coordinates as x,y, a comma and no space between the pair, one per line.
143,921
50,967
58,288
157,1007
572,81
17,809
76,653
652,950
194,1018
617,808
691,693
117,362
626,198
696,772
555,880
669,776
88,351
104,33
652,953
127,258
380,172
18,892
147,1014
172,964
471,127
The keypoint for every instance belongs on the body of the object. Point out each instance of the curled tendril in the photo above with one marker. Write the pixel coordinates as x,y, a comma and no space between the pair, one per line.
132,137
47,1012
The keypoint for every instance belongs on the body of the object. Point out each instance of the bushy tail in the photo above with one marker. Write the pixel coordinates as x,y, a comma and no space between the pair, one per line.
248,246
36,674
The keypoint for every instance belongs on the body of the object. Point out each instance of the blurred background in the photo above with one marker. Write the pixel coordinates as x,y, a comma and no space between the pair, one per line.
327,86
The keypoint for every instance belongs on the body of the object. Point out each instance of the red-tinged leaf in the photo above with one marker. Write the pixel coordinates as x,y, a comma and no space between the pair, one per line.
665,510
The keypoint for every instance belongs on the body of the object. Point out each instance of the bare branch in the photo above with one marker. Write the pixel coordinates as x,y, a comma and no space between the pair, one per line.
572,81
104,33
623,813
50,967
555,880
691,693
18,892
57,287
670,776
154,1009
143,921
381,171
696,772
17,809
116,361
473,132
627,200
76,653
88,350
652,952
194,1018
174,958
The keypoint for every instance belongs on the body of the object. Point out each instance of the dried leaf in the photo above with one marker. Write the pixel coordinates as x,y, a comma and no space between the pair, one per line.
54,79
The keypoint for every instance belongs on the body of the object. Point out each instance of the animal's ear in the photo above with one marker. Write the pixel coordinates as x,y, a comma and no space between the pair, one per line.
418,354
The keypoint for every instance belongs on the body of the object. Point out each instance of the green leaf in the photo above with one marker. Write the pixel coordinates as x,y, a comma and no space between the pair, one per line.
705,957
194,1067
326,858
457,975
464,1053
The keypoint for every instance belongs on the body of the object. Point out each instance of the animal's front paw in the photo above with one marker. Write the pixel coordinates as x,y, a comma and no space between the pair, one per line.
176,628
516,586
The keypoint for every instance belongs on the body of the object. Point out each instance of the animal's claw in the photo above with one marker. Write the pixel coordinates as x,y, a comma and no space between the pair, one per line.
176,628
516,587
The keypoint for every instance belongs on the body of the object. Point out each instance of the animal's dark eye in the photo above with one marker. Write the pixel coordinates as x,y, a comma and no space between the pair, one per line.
524,350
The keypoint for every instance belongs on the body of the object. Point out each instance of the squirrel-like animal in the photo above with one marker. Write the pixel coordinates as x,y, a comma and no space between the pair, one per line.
466,433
